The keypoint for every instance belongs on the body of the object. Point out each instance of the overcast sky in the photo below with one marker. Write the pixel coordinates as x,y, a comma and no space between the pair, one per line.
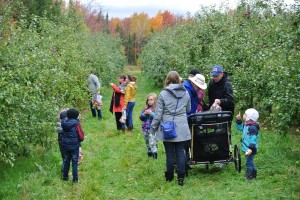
125,8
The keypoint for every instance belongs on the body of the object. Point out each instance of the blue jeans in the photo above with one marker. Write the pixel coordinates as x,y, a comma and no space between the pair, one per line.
129,111
71,156
172,149
95,110
250,162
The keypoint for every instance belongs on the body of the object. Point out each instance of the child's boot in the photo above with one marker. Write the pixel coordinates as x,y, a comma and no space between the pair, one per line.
249,174
254,173
180,179
154,155
169,176
150,154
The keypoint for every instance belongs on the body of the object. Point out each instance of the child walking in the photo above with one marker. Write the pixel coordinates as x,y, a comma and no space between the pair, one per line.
61,116
72,137
249,139
146,117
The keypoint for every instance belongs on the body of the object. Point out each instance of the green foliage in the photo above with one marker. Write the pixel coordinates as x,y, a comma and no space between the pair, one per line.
257,44
43,69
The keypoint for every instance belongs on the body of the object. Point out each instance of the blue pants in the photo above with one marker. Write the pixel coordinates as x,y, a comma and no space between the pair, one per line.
129,111
71,156
175,149
250,162
95,110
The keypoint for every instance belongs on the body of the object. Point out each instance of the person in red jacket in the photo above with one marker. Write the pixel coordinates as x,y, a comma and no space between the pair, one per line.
117,100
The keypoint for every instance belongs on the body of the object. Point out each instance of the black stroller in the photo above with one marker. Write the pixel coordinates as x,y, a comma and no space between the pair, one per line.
211,140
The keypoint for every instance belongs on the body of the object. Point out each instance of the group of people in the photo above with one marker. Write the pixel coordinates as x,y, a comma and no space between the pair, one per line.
179,100
123,101
176,102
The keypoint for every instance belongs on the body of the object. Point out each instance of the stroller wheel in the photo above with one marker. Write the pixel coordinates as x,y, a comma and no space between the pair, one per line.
237,158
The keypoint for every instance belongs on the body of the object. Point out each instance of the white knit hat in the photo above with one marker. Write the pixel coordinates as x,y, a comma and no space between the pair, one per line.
252,114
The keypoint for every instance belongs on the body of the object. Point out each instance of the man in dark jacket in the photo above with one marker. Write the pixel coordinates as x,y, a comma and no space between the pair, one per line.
220,90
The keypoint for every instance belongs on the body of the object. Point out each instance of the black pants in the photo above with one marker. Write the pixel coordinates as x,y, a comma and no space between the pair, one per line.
118,115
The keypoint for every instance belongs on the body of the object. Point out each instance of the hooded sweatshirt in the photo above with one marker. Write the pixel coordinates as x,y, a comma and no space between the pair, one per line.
165,111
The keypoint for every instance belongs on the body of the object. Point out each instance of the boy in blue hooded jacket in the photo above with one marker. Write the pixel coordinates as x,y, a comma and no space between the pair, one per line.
249,139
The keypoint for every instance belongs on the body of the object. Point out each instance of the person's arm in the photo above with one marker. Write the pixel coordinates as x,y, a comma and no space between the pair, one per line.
143,116
228,99
239,123
127,95
158,113
80,132
253,138
115,88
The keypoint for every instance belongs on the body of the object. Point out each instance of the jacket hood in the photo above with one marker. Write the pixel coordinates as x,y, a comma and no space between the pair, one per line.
177,90
188,85
133,84
68,124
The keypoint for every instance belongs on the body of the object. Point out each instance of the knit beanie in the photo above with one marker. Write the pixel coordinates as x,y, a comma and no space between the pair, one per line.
251,114
72,113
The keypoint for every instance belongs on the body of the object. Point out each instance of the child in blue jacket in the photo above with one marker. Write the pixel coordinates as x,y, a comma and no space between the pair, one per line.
72,137
249,139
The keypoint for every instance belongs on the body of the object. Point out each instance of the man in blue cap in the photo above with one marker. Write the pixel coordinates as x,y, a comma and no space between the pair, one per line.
220,90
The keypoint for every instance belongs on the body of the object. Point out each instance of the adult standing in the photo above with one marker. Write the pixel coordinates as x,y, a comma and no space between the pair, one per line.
94,88
173,98
129,100
220,90
195,86
117,100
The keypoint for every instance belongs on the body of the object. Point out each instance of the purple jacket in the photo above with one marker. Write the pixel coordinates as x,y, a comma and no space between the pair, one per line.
147,119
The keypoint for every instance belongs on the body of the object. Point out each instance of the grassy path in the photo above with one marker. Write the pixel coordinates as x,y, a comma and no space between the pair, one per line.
116,166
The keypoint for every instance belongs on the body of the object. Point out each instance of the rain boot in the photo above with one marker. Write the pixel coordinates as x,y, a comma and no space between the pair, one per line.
154,155
254,173
249,174
169,176
180,179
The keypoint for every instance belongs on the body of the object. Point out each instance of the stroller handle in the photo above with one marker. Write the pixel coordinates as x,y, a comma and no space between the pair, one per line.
210,116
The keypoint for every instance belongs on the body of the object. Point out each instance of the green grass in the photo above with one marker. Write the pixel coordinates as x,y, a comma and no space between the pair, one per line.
116,166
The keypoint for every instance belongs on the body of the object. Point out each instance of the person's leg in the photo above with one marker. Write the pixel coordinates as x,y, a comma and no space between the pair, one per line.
118,115
181,161
146,137
75,156
153,145
92,109
254,173
67,160
169,148
250,167
129,112
99,112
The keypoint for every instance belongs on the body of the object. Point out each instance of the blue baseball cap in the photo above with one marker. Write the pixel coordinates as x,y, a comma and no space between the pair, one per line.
216,70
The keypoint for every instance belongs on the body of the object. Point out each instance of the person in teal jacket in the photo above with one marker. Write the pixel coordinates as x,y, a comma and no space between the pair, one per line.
249,139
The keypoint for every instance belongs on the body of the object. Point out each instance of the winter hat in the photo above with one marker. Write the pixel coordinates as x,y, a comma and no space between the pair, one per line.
63,114
216,70
194,72
72,113
252,114
199,80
